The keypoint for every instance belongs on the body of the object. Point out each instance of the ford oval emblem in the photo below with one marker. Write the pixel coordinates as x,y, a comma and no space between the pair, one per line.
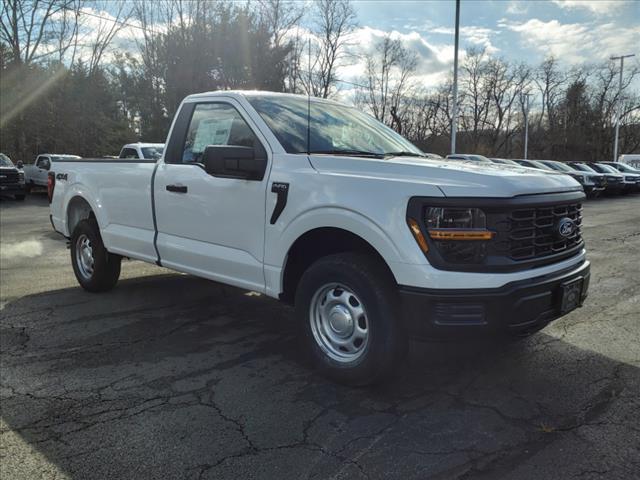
566,227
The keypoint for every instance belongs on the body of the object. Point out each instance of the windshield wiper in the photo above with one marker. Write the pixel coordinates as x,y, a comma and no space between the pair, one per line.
355,153
404,154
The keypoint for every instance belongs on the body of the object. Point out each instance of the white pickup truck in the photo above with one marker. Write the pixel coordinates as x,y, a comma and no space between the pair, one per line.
318,204
150,151
36,175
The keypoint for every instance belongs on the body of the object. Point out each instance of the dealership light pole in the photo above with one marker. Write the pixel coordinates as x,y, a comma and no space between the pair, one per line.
526,123
619,114
454,112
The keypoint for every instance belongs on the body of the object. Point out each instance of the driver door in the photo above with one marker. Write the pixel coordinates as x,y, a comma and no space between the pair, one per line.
211,226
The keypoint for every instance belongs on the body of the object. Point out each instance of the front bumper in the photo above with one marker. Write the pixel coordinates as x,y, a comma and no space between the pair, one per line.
518,307
12,189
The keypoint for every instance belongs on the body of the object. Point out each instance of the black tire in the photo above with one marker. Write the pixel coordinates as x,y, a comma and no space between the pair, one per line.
105,270
373,286
19,197
29,186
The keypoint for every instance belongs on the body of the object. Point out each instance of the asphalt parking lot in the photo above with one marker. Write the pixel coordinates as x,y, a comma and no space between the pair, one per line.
169,376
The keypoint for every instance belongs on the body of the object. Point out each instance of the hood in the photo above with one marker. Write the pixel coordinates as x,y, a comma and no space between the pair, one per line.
453,177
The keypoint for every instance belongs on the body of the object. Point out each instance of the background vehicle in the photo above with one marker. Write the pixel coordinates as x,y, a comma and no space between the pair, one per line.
628,181
318,204
36,175
11,179
631,179
534,164
149,151
615,181
504,161
592,183
468,157
627,171
631,159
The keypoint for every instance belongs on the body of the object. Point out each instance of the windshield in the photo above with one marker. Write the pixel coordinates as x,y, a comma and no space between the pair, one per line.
152,153
606,168
540,165
561,167
478,158
583,167
333,128
624,168
5,161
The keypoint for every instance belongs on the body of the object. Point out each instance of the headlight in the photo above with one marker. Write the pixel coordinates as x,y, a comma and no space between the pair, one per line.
457,223
20,177
460,235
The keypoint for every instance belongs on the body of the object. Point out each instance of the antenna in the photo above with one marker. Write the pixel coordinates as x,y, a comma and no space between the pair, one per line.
309,105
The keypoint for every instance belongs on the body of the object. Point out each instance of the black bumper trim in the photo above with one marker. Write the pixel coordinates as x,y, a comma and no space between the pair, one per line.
516,307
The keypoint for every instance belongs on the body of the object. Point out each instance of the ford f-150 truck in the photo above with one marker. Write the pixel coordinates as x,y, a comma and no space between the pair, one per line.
318,204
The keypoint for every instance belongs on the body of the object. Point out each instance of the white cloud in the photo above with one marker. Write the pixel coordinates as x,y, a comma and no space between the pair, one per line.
574,42
434,60
474,35
600,7
517,7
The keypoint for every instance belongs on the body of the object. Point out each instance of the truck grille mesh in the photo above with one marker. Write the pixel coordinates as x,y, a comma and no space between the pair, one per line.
533,232
9,177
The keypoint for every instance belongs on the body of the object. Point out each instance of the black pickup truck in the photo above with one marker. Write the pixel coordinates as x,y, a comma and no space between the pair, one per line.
11,179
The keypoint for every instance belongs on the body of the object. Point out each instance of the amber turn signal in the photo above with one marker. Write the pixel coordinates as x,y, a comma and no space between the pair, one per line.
417,234
461,234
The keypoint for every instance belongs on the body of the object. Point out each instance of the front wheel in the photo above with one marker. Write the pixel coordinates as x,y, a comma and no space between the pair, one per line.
20,198
347,308
95,268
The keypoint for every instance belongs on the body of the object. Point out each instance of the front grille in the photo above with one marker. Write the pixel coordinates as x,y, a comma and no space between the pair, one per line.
534,232
9,177
614,179
629,179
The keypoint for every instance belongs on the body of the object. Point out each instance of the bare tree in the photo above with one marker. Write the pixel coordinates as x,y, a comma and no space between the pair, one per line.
107,29
388,81
281,17
27,26
335,20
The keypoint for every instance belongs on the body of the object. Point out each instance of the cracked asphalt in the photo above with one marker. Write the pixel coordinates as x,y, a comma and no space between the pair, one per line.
169,376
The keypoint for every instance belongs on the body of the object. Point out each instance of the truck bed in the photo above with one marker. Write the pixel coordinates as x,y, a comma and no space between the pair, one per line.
120,192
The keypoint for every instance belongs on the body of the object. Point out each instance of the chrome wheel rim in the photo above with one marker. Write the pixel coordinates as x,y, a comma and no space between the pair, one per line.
84,256
339,322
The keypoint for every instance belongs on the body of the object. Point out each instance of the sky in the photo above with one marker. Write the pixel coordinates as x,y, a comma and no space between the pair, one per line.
577,32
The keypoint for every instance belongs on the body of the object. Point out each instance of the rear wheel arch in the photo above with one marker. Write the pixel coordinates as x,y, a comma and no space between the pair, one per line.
321,242
78,209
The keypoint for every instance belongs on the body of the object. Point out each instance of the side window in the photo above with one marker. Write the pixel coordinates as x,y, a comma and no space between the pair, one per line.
128,153
216,124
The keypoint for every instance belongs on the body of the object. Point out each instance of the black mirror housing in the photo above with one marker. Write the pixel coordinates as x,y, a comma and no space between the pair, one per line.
234,161
19,164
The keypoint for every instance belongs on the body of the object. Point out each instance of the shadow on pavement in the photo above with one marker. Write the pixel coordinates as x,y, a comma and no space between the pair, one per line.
176,377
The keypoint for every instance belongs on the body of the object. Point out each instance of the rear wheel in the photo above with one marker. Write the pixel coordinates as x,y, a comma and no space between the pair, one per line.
347,309
95,268
19,197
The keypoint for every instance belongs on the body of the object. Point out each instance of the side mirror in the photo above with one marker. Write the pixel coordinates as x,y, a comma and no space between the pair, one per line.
233,161
46,164
19,164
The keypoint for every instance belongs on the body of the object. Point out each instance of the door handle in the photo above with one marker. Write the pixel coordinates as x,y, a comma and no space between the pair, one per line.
177,188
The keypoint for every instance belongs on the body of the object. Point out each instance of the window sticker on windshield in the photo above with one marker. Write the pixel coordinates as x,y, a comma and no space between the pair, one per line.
212,131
